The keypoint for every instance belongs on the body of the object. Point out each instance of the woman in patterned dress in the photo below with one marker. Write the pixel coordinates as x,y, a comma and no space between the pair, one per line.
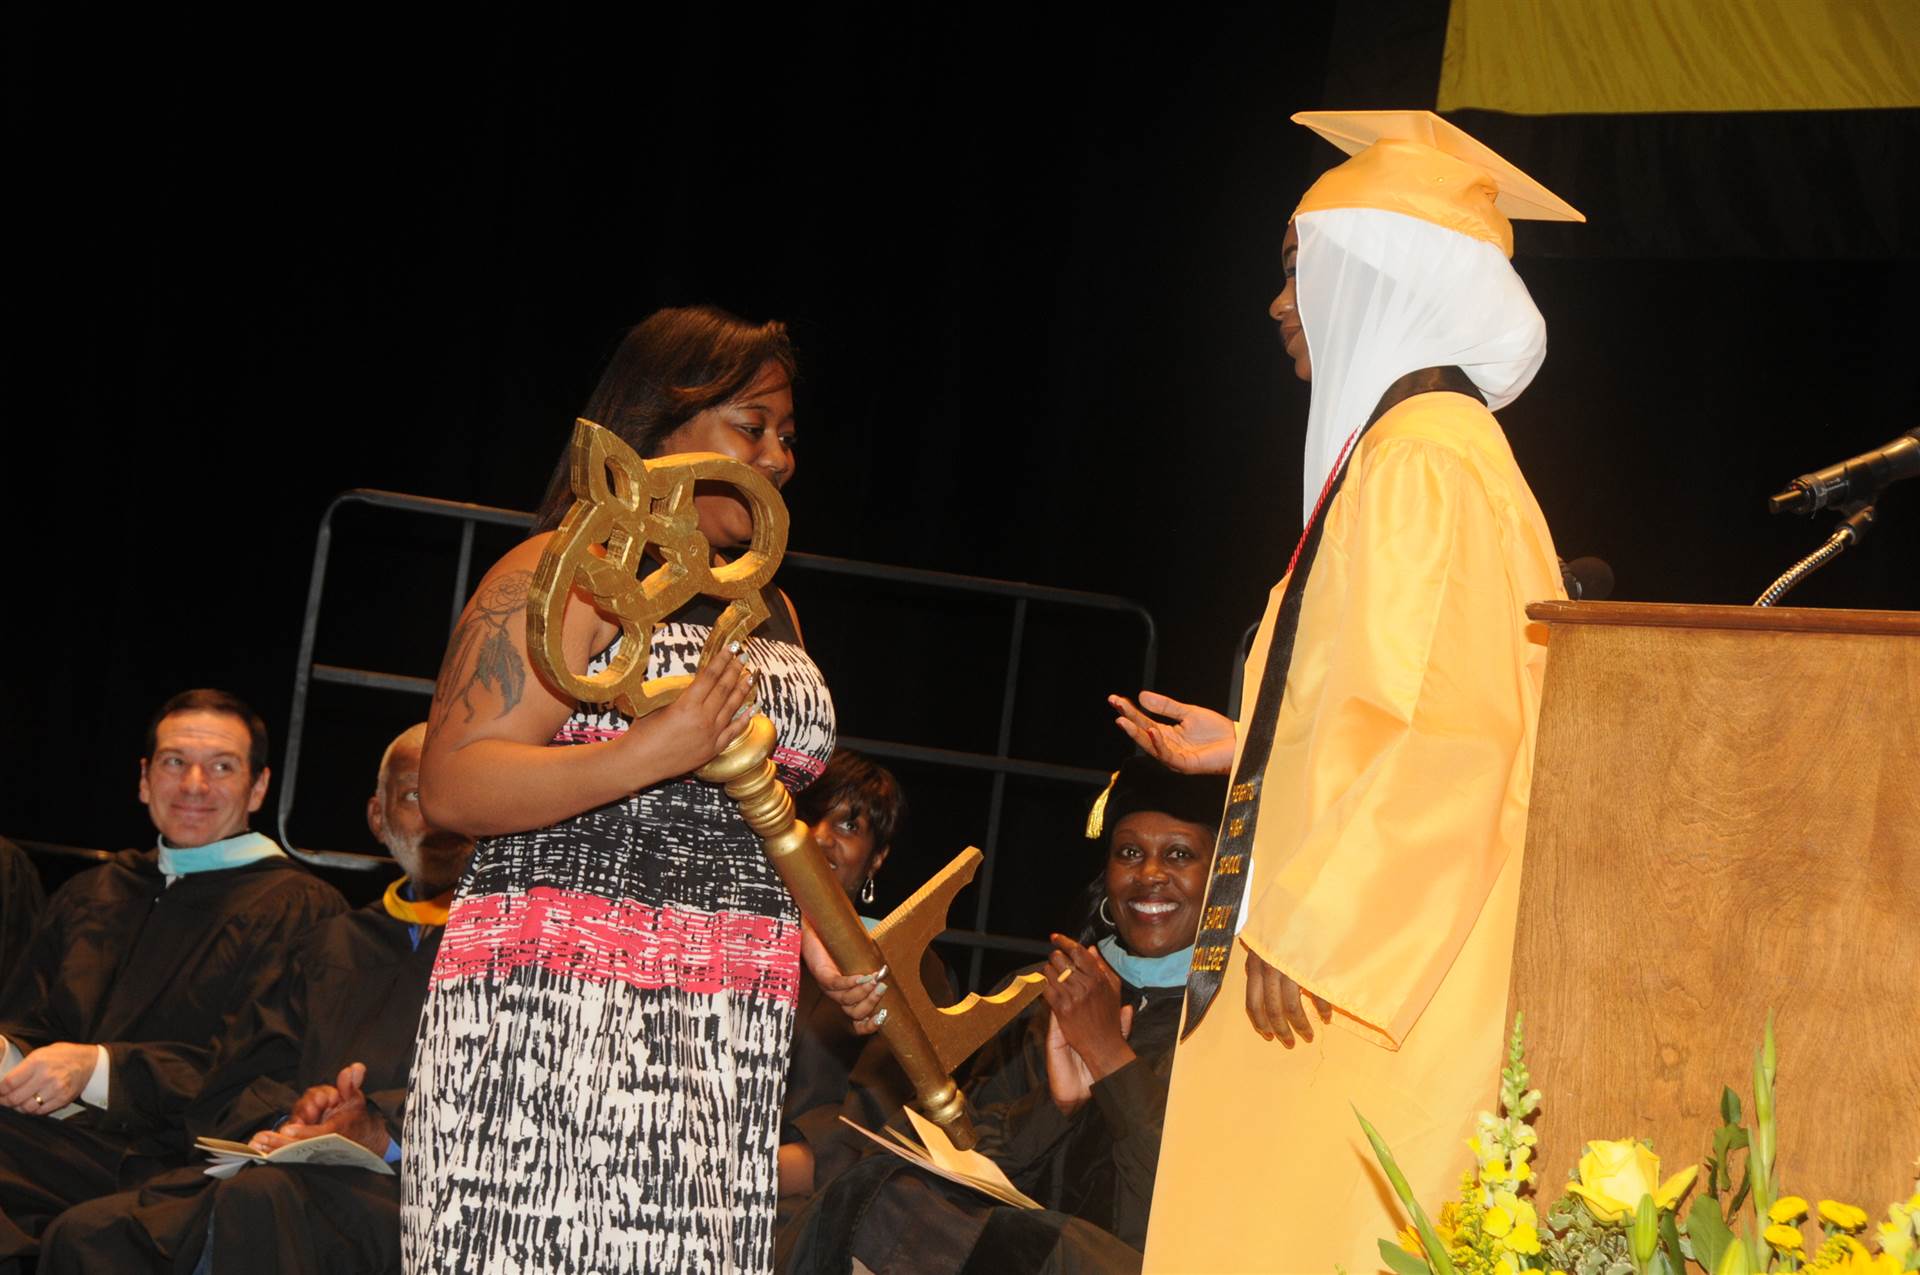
598,1077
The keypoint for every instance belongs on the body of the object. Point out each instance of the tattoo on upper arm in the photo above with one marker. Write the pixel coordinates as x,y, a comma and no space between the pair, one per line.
481,656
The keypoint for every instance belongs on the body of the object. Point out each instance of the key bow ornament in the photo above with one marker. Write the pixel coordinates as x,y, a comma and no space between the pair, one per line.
623,506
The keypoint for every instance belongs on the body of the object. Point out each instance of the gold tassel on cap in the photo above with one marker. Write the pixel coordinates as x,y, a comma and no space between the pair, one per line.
1097,817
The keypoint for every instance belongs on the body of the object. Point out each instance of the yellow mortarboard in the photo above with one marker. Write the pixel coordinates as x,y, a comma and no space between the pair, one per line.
1415,163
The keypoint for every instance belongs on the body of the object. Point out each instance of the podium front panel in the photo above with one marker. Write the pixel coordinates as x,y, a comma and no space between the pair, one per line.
1726,821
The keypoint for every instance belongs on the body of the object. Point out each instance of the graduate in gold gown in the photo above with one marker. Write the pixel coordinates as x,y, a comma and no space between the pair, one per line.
1358,933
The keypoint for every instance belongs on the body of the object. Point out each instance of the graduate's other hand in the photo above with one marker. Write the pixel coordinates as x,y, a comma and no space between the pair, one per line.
857,995
1275,1005
1194,740
48,1078
340,1108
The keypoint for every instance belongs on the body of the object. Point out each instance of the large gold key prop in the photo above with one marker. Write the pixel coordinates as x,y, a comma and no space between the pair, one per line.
631,516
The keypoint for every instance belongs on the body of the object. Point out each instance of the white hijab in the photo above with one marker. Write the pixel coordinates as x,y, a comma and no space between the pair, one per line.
1382,294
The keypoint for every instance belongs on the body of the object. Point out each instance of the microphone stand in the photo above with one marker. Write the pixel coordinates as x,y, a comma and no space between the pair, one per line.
1851,531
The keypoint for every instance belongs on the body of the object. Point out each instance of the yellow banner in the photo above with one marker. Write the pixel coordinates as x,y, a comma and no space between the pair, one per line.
1608,57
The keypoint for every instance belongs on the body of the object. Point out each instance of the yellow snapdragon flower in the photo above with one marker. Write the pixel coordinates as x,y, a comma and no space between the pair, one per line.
1900,1233
1519,1225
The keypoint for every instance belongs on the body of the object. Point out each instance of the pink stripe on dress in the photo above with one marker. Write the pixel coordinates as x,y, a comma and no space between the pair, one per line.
600,940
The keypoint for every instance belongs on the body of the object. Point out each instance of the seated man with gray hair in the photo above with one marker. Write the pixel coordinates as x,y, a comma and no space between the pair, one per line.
327,1052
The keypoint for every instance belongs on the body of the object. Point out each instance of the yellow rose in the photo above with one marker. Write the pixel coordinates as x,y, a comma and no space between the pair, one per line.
1614,1175
1784,1237
1788,1208
1844,1216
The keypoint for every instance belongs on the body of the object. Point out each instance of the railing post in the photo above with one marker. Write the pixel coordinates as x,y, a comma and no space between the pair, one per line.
1002,749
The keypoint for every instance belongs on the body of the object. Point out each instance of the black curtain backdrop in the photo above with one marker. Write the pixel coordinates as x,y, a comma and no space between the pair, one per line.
1026,259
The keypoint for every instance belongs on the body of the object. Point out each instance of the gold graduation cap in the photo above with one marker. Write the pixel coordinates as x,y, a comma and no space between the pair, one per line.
1417,164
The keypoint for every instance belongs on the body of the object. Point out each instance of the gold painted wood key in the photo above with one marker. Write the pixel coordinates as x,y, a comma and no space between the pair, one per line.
631,543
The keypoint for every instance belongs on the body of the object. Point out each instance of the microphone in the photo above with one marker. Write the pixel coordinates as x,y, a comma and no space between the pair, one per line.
1587,579
1851,480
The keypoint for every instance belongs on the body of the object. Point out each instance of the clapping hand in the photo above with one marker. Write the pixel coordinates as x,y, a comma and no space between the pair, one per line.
1088,1028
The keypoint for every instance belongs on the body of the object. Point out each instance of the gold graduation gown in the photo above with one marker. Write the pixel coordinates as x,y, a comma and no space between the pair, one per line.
1386,869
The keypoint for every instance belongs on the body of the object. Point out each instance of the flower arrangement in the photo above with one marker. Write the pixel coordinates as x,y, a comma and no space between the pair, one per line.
1619,1217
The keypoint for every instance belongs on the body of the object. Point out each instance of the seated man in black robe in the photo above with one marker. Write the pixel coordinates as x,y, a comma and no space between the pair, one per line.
341,1024
1070,1098
157,945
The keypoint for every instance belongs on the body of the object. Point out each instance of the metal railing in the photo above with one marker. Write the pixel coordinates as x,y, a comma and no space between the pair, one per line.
1000,763
54,850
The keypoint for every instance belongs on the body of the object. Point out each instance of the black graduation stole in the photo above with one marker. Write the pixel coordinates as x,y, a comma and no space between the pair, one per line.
1233,853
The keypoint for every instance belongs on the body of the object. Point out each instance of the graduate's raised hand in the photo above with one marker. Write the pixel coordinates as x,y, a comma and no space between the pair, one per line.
1276,1004
1193,740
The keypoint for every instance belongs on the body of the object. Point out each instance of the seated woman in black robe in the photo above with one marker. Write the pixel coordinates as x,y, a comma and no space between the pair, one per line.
855,809
1069,1099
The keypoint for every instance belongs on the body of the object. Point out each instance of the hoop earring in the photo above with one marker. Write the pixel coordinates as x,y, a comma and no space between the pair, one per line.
1111,923
866,891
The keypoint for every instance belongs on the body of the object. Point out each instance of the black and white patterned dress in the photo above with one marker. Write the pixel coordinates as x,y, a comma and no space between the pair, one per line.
598,1077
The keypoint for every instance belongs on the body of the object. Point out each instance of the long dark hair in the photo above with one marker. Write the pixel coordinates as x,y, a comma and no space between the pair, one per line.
668,369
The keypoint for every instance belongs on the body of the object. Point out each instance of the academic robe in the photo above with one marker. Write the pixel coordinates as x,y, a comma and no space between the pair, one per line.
834,1072
352,994
1093,1171
1386,865
21,902
122,960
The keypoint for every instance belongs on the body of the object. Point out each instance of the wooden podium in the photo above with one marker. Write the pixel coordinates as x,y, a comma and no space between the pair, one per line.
1726,820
